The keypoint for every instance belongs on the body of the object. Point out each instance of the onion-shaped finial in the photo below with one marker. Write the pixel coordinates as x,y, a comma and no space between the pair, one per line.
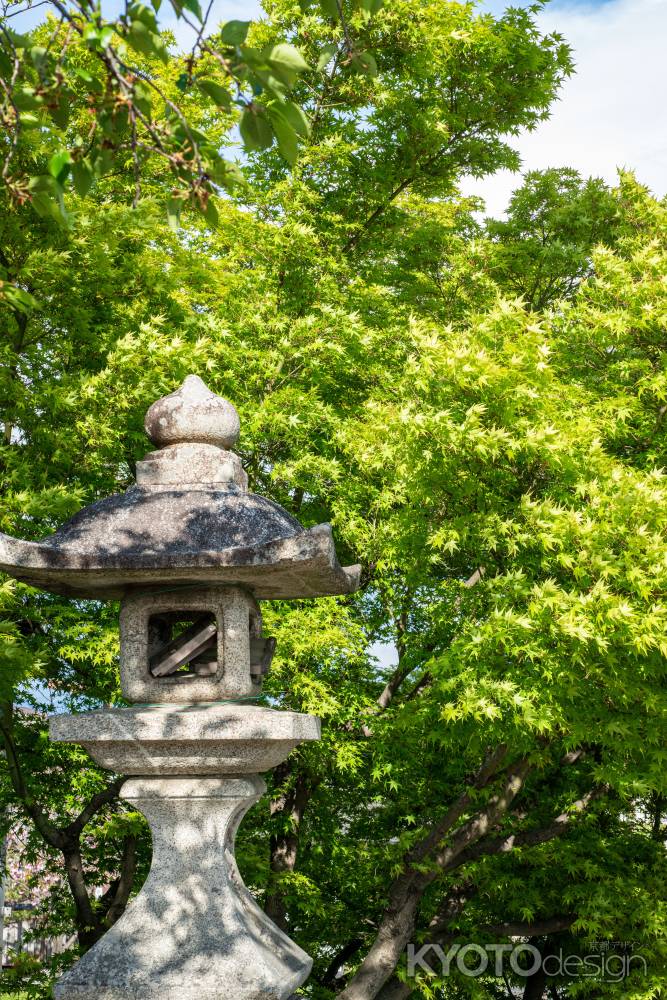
193,415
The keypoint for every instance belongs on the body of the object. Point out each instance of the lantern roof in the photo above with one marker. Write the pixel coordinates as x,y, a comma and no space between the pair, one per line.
189,520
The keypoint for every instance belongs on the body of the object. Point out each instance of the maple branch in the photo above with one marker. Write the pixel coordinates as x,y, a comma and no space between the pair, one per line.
128,869
48,830
398,922
103,798
538,928
487,771
530,838
85,917
338,961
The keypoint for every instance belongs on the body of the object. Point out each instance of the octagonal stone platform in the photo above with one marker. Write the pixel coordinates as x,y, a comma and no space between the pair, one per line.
198,739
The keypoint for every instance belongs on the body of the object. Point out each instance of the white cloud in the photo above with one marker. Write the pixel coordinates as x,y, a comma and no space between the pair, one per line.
613,112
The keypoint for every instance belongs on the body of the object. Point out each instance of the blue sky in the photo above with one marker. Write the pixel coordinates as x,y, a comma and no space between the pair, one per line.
227,10
498,6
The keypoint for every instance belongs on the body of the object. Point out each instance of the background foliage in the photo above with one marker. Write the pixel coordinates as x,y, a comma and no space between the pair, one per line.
477,406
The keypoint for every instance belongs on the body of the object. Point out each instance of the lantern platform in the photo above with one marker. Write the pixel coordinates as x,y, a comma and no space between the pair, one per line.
197,739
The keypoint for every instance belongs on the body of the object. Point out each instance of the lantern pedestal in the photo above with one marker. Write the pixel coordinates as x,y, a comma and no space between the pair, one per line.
194,932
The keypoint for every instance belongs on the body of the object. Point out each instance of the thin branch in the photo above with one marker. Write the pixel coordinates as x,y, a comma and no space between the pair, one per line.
100,799
476,577
538,928
348,950
393,684
114,66
346,28
424,681
179,114
200,34
405,183
380,210
65,44
320,105
135,159
9,91
49,831
34,6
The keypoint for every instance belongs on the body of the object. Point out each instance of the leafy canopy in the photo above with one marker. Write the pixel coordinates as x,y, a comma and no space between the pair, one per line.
485,454
104,92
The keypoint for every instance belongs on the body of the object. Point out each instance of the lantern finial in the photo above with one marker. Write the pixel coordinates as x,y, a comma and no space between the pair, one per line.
192,415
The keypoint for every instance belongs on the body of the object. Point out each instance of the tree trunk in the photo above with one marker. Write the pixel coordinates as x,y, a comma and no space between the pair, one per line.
536,985
394,934
284,851
395,990
284,847
658,809
88,928
3,860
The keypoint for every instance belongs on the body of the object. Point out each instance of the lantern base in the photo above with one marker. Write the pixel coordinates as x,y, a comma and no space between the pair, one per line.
194,932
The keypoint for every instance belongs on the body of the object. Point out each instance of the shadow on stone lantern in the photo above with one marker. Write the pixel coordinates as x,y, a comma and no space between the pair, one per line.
189,553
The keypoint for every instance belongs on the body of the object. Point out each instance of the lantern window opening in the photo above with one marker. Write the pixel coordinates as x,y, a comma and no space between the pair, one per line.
183,644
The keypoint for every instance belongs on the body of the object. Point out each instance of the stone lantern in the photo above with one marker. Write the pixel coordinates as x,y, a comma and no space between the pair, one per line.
189,553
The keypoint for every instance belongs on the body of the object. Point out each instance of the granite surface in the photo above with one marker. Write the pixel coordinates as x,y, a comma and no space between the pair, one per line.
235,612
302,565
194,932
198,739
192,414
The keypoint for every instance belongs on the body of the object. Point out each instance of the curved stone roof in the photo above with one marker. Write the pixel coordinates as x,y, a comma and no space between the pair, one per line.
160,533
144,521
